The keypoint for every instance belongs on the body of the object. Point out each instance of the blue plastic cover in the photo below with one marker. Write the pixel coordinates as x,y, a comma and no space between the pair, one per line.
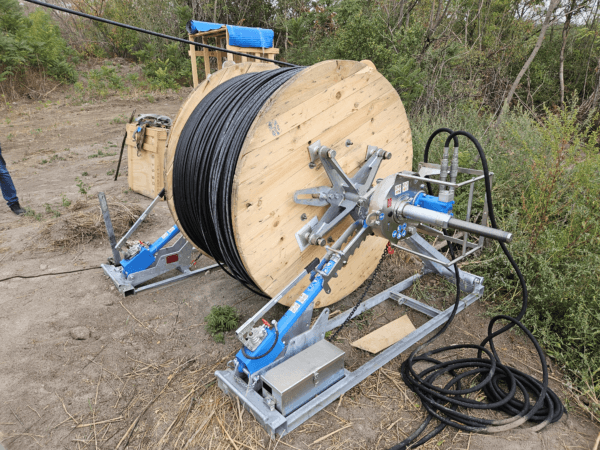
238,36
250,37
195,26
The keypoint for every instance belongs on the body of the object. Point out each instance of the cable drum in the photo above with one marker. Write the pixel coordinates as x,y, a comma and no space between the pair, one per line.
237,152
205,162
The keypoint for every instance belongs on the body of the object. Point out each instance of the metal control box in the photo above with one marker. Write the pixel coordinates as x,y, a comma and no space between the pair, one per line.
305,375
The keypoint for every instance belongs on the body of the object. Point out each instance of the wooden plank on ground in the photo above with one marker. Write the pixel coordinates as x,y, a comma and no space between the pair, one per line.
385,336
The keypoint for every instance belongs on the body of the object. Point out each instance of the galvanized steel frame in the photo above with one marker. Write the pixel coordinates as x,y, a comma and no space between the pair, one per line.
277,424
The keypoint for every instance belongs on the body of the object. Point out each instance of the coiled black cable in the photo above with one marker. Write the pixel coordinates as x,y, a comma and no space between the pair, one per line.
206,158
499,383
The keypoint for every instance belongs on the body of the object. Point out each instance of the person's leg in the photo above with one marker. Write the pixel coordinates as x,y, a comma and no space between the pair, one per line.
6,184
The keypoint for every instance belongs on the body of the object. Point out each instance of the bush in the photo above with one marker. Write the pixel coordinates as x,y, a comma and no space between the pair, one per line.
166,64
32,42
168,73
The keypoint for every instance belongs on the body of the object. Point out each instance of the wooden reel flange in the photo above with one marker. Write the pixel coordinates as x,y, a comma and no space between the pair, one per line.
347,105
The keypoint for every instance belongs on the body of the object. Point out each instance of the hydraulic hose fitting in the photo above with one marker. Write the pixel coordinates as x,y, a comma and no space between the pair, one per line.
453,172
444,195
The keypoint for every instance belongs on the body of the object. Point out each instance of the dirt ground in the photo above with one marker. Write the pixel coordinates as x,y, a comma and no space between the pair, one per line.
142,376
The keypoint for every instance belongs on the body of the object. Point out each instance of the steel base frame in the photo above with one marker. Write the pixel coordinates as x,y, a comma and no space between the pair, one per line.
128,285
275,423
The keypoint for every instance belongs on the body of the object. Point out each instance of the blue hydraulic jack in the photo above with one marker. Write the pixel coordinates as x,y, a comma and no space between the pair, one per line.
142,262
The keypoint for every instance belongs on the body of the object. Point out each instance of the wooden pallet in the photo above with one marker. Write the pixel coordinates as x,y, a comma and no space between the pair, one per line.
221,35
333,101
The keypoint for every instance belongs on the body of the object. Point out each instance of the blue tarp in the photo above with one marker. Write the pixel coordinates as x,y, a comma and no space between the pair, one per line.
238,36
250,37
195,26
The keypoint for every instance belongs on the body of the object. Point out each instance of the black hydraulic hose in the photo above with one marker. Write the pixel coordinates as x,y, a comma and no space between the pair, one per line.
429,141
205,162
154,33
265,353
499,383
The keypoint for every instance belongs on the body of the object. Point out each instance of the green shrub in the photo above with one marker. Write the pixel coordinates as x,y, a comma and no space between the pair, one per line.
167,72
166,64
32,42
220,320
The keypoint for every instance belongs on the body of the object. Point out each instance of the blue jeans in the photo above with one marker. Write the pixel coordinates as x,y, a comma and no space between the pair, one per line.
6,184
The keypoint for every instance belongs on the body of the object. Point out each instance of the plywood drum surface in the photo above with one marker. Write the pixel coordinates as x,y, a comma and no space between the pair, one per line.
333,101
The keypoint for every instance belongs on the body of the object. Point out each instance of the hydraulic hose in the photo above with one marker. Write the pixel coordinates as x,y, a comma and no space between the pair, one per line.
428,145
499,383
265,353
205,162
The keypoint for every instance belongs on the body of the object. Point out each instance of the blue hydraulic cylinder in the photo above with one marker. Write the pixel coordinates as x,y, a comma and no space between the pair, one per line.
433,203
146,257
284,325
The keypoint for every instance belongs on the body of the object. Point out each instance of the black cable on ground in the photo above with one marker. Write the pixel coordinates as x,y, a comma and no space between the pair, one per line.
153,33
205,162
49,274
507,389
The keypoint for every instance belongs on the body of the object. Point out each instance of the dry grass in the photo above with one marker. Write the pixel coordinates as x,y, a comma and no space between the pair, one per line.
176,404
84,223
33,84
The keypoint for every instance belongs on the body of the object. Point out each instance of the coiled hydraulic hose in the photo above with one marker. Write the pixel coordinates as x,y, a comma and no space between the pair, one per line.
206,158
499,383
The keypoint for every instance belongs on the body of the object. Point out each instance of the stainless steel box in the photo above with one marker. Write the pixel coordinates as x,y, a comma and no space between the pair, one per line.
305,375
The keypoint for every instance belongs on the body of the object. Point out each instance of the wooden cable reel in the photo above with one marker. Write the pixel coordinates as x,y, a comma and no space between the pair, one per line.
347,105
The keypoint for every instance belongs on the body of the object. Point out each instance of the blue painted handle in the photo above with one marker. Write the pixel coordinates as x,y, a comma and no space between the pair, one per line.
284,325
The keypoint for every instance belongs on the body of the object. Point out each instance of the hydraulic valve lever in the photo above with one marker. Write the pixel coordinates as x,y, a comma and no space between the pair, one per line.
145,257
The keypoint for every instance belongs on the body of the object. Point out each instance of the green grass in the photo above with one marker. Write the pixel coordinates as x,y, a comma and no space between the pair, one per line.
121,118
51,211
56,158
29,212
65,201
101,154
220,320
83,187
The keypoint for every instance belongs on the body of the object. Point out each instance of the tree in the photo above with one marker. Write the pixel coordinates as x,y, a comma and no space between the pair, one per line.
538,44
565,34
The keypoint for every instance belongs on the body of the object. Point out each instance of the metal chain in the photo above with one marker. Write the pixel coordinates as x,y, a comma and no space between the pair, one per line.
362,297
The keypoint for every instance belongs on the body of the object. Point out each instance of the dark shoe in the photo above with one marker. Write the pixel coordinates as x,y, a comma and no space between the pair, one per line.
16,208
